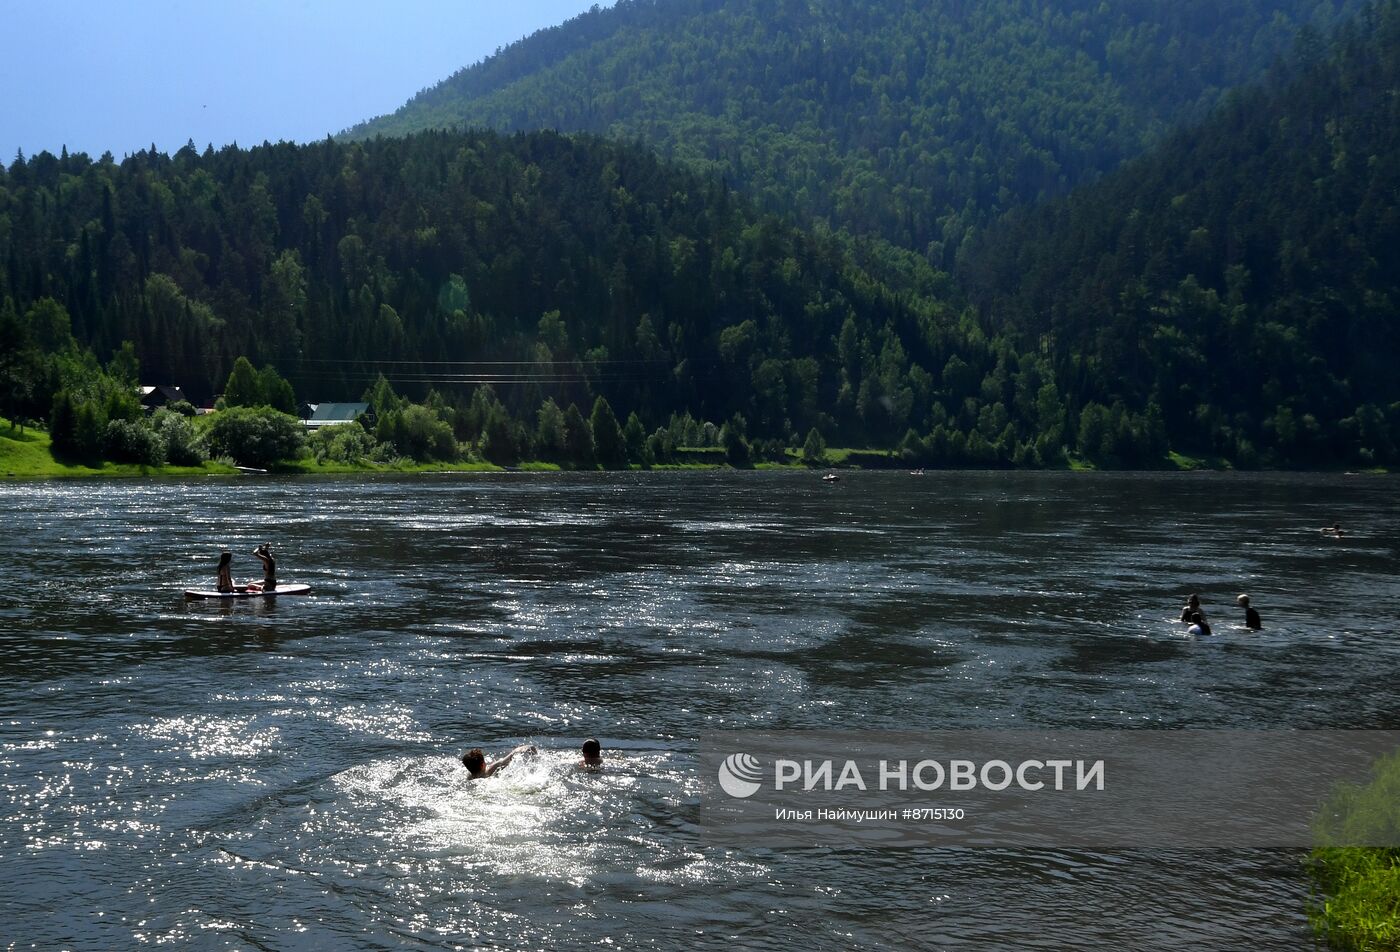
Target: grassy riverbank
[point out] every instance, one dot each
(1360, 904)
(28, 454)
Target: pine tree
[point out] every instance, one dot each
(608, 443)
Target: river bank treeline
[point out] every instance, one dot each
(500, 278)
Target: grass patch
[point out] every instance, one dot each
(1361, 912)
(27, 454)
(310, 467)
(1360, 885)
(30, 456)
(712, 455)
(1189, 464)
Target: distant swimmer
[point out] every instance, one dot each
(1251, 617)
(1333, 531)
(1198, 625)
(475, 761)
(1192, 607)
(592, 755)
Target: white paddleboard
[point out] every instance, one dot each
(279, 590)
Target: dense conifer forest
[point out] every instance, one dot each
(1244, 277)
(1229, 294)
(914, 121)
(551, 268)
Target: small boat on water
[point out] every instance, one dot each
(831, 478)
(242, 592)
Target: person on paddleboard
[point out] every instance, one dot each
(225, 583)
(269, 582)
(475, 761)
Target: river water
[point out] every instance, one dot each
(281, 775)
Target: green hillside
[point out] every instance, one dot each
(1244, 278)
(550, 267)
(1229, 296)
(909, 120)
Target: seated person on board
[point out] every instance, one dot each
(269, 582)
(225, 583)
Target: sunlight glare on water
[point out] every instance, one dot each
(284, 773)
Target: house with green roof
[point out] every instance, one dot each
(317, 415)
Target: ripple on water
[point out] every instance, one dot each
(282, 774)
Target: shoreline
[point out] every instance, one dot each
(27, 457)
(302, 469)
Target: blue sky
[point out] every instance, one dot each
(98, 76)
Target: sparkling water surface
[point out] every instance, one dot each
(282, 774)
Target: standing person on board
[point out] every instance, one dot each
(1251, 617)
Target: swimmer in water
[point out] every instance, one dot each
(592, 755)
(1198, 625)
(1333, 531)
(475, 761)
(1192, 607)
(1251, 617)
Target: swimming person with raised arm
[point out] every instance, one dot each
(475, 761)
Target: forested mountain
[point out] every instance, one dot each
(915, 121)
(1231, 293)
(557, 266)
(1245, 277)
